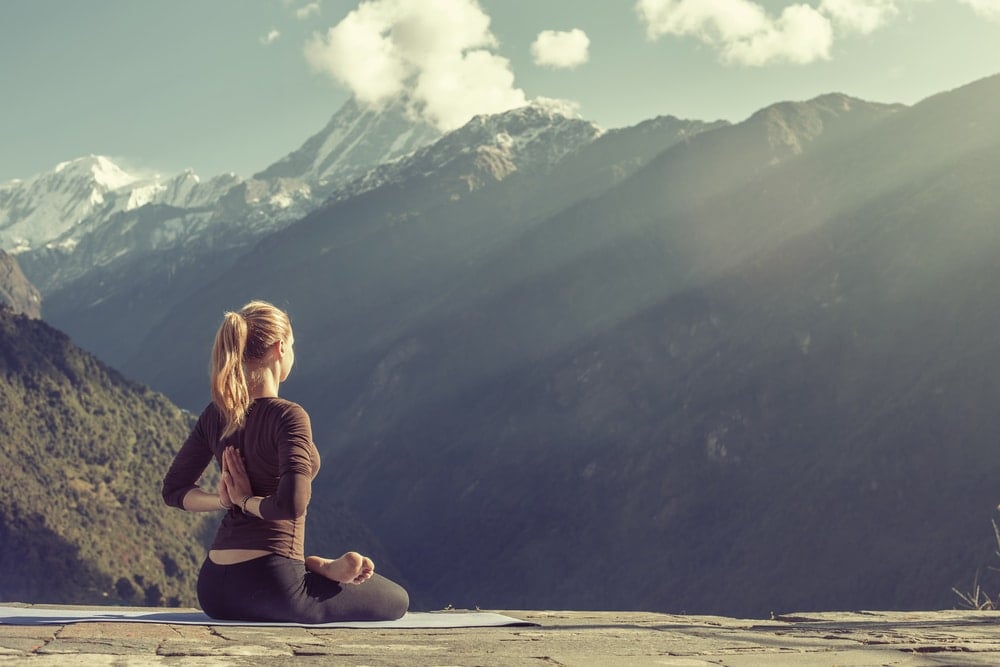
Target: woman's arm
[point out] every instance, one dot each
(180, 484)
(197, 500)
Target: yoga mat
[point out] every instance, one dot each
(412, 620)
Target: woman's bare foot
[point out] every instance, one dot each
(351, 568)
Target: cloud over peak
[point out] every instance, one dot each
(436, 52)
(561, 49)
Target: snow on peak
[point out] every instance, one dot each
(557, 107)
(356, 139)
(100, 170)
(529, 139)
(78, 194)
(110, 175)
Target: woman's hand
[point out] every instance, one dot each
(225, 500)
(234, 475)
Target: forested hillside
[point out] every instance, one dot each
(83, 455)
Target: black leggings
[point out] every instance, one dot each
(275, 588)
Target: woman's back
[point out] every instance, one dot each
(281, 461)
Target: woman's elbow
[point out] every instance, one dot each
(287, 511)
(170, 493)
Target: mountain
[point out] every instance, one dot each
(16, 293)
(61, 208)
(146, 243)
(226, 207)
(754, 372)
(767, 389)
(45, 206)
(83, 457)
(60, 212)
(399, 250)
(356, 139)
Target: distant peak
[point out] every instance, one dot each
(101, 169)
(829, 102)
(556, 107)
(401, 105)
(540, 112)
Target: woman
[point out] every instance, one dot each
(256, 570)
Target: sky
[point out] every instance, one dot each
(234, 85)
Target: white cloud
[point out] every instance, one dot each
(988, 9)
(270, 38)
(561, 49)
(741, 30)
(800, 35)
(437, 52)
(711, 20)
(744, 33)
(861, 16)
(306, 11)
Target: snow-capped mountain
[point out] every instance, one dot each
(60, 207)
(356, 139)
(86, 212)
(135, 265)
(41, 208)
(91, 213)
(530, 139)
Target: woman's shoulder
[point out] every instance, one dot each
(284, 417)
(280, 407)
(210, 413)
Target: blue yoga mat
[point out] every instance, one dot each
(415, 619)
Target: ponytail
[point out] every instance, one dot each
(229, 381)
(242, 339)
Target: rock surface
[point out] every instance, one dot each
(16, 293)
(577, 638)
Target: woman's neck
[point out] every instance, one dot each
(267, 388)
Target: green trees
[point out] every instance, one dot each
(83, 452)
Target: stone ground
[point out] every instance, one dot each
(572, 638)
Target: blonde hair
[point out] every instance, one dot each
(241, 343)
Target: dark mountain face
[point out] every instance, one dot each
(16, 293)
(814, 430)
(83, 456)
(796, 413)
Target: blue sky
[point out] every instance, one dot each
(233, 85)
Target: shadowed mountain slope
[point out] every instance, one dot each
(83, 457)
(802, 417)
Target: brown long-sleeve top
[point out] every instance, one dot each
(281, 461)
